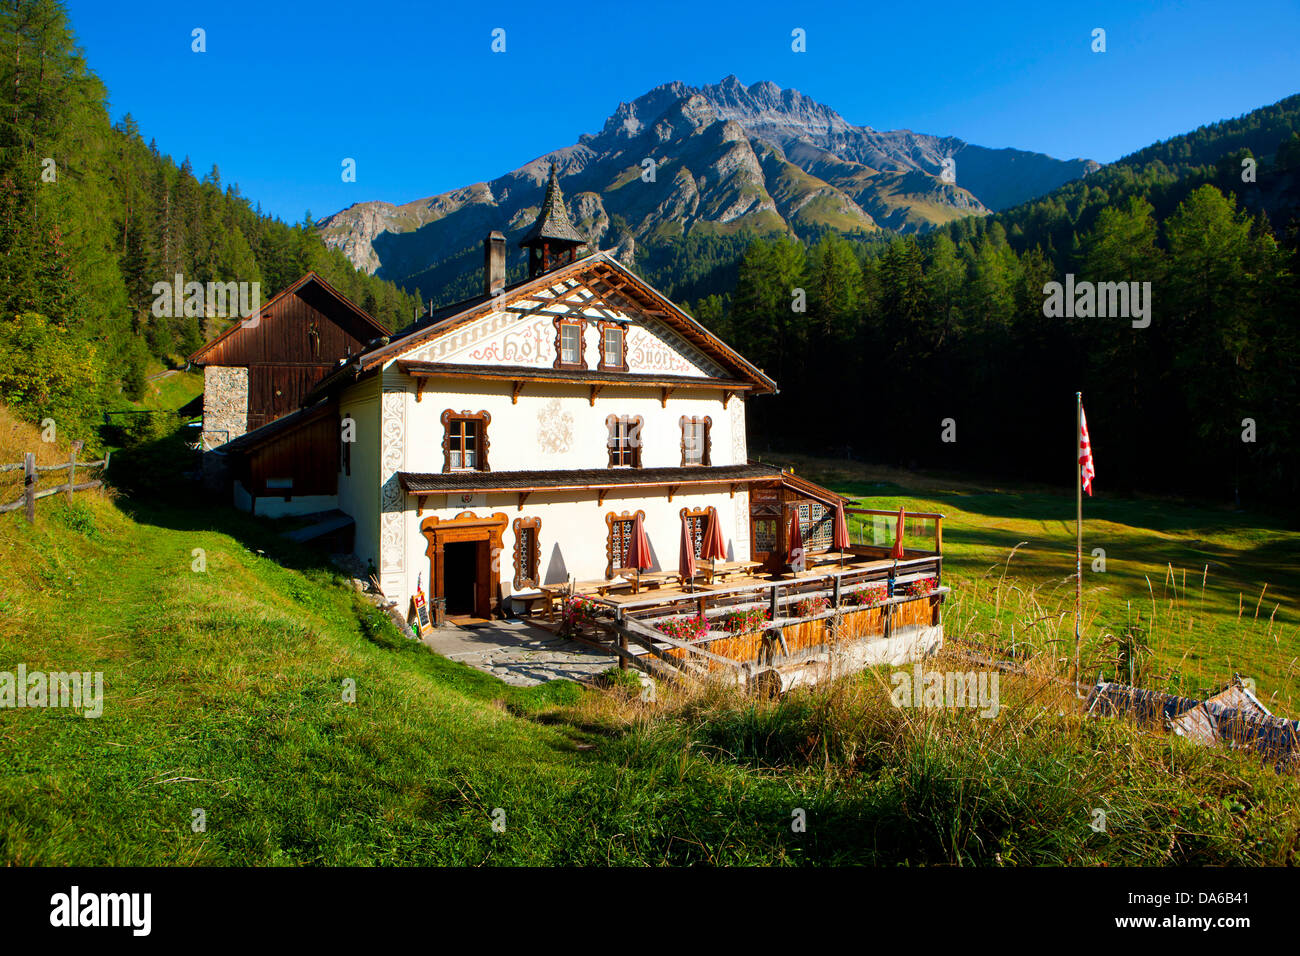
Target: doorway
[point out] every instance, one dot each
(461, 569)
(459, 573)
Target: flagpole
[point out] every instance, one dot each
(1078, 525)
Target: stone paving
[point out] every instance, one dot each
(518, 653)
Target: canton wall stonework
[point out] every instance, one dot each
(225, 405)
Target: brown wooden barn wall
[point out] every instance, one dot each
(283, 360)
(308, 454)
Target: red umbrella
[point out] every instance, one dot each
(897, 553)
(795, 542)
(712, 546)
(638, 548)
(686, 559)
(841, 541)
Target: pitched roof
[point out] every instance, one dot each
(365, 317)
(553, 218)
(273, 429)
(603, 268)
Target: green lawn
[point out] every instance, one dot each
(226, 692)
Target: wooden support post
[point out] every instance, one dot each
(29, 486)
(938, 535)
(72, 469)
(772, 603)
(837, 592)
(622, 658)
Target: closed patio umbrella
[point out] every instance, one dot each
(638, 549)
(795, 540)
(897, 553)
(841, 541)
(712, 546)
(686, 558)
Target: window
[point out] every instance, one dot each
(613, 347)
(695, 440)
(624, 441)
(696, 521)
(817, 525)
(620, 536)
(528, 552)
(465, 441)
(568, 344)
(765, 532)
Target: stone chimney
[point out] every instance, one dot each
(494, 263)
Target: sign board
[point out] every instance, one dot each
(422, 622)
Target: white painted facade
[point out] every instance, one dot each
(548, 426)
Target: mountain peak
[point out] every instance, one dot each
(774, 113)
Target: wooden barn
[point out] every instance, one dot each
(261, 368)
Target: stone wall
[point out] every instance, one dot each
(225, 405)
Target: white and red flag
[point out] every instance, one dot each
(1086, 470)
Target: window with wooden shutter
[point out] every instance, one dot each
(620, 536)
(465, 441)
(569, 344)
(695, 440)
(624, 440)
(528, 552)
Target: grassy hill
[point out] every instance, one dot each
(225, 692)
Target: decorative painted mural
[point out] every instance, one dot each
(504, 338)
(392, 500)
(739, 442)
(554, 428)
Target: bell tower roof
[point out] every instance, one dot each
(553, 225)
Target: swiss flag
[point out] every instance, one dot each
(1087, 471)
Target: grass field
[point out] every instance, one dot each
(1217, 592)
(261, 691)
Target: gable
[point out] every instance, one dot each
(517, 329)
(310, 322)
(522, 333)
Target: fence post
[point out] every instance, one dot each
(72, 468)
(772, 606)
(29, 485)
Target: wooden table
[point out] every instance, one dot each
(552, 594)
(602, 587)
(729, 569)
(830, 557)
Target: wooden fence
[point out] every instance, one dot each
(31, 475)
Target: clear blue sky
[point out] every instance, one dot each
(413, 93)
